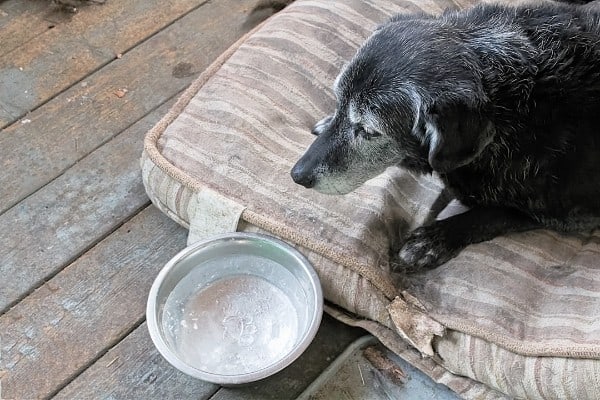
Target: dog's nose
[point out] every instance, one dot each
(302, 177)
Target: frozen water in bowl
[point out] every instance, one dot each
(234, 309)
(238, 323)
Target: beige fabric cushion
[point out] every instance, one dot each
(518, 313)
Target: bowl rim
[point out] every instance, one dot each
(308, 336)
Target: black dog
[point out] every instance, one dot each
(502, 102)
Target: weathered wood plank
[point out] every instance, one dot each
(331, 340)
(47, 230)
(22, 21)
(37, 149)
(51, 59)
(134, 369)
(62, 327)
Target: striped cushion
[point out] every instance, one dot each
(519, 313)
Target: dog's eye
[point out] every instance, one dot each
(365, 133)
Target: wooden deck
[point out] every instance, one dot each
(80, 243)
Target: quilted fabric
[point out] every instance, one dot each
(519, 313)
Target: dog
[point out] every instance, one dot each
(502, 102)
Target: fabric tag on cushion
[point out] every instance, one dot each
(211, 214)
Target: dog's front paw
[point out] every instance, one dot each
(427, 247)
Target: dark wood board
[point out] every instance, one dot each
(59, 222)
(134, 369)
(66, 324)
(22, 21)
(332, 339)
(60, 47)
(40, 147)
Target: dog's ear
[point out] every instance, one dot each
(457, 134)
(322, 125)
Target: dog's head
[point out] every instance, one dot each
(412, 96)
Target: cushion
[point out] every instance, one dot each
(516, 316)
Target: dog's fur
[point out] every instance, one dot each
(503, 103)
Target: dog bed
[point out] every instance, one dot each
(517, 316)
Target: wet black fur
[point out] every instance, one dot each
(509, 116)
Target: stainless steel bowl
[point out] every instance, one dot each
(234, 309)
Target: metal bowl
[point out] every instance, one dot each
(234, 309)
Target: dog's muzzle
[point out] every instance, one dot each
(309, 169)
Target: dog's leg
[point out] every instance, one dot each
(434, 244)
(442, 201)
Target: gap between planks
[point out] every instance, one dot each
(73, 48)
(53, 334)
(133, 369)
(20, 273)
(106, 181)
(25, 350)
(42, 148)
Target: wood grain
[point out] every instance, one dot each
(332, 339)
(39, 148)
(134, 369)
(22, 21)
(60, 48)
(56, 224)
(61, 328)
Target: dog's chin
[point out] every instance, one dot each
(333, 187)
